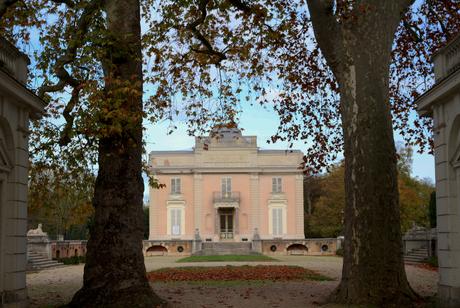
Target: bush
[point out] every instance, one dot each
(433, 261)
(73, 260)
(339, 252)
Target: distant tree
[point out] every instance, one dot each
(414, 193)
(414, 197)
(432, 210)
(326, 218)
(59, 199)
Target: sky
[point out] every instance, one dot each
(262, 123)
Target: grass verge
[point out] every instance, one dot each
(228, 258)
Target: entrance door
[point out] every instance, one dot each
(226, 224)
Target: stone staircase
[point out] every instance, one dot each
(416, 256)
(37, 261)
(225, 248)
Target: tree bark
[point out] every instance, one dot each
(115, 274)
(359, 53)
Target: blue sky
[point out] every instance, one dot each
(261, 122)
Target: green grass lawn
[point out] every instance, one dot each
(228, 258)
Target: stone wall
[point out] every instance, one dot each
(167, 248)
(442, 102)
(310, 247)
(67, 249)
(17, 105)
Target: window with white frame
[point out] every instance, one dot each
(226, 186)
(175, 186)
(277, 221)
(277, 185)
(176, 221)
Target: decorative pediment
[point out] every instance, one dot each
(5, 161)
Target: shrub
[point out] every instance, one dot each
(339, 252)
(73, 260)
(433, 261)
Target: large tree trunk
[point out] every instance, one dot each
(373, 268)
(115, 273)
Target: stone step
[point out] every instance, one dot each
(44, 261)
(49, 264)
(226, 248)
(414, 260)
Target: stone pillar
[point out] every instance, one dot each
(217, 223)
(299, 211)
(256, 242)
(196, 244)
(447, 210)
(197, 199)
(254, 212)
(153, 214)
(236, 230)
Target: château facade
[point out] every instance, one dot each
(226, 189)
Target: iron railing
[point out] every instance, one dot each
(223, 196)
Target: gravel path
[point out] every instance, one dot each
(56, 286)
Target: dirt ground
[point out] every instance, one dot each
(56, 286)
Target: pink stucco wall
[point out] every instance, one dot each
(265, 189)
(160, 198)
(212, 183)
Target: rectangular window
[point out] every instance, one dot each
(176, 218)
(175, 186)
(277, 216)
(276, 185)
(226, 187)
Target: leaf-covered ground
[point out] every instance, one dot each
(231, 273)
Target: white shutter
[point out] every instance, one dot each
(277, 221)
(176, 221)
(175, 186)
(226, 186)
(276, 185)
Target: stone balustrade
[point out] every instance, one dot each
(13, 62)
(447, 60)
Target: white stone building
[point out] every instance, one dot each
(17, 105)
(442, 102)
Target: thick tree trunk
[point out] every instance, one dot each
(115, 274)
(373, 268)
(358, 50)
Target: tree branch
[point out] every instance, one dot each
(441, 24)
(414, 34)
(199, 36)
(4, 5)
(69, 3)
(327, 31)
(65, 79)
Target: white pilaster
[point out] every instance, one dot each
(299, 211)
(254, 212)
(197, 199)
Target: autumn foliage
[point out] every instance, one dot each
(229, 273)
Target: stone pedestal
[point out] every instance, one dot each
(40, 244)
(256, 242)
(196, 244)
